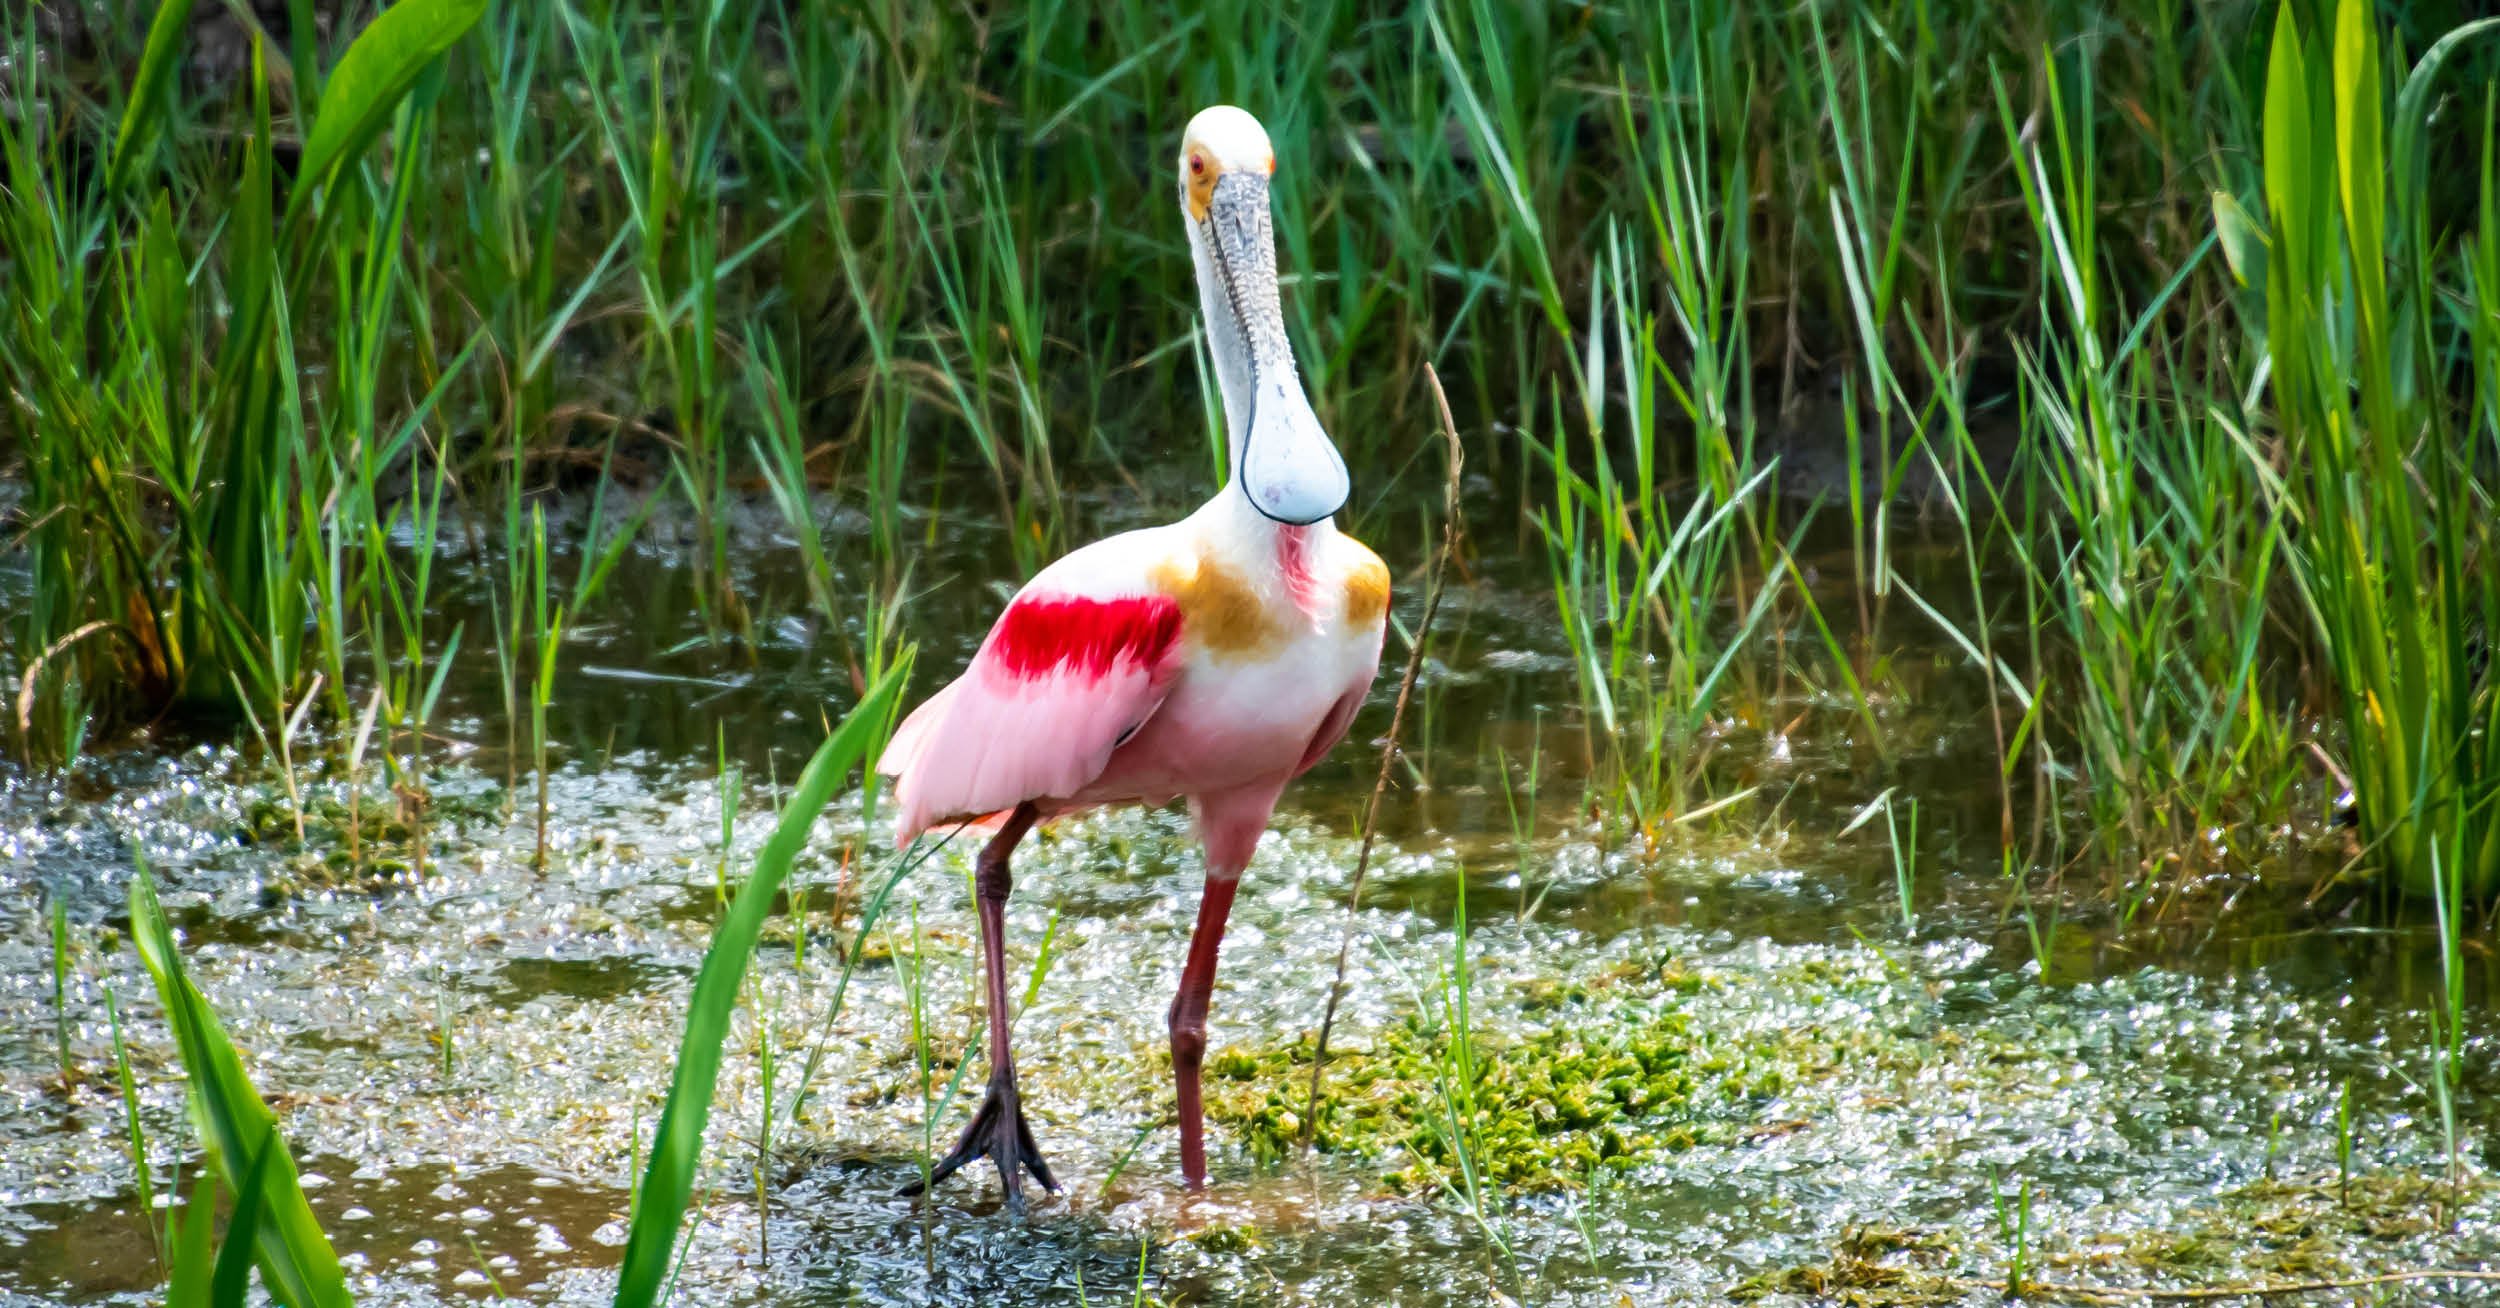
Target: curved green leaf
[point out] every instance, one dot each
(677, 1146)
(2244, 241)
(192, 1235)
(2412, 154)
(230, 1284)
(156, 62)
(297, 1263)
(378, 68)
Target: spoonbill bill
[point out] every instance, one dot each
(1214, 659)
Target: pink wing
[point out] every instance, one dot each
(1061, 681)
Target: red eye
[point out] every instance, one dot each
(1197, 165)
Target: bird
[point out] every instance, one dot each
(1211, 660)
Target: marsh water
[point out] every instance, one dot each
(465, 1055)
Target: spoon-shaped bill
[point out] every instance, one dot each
(1289, 468)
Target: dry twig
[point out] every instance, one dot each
(1389, 750)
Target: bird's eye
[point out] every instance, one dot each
(1197, 164)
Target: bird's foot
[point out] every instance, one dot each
(1000, 1133)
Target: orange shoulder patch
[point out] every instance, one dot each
(1220, 612)
(1366, 588)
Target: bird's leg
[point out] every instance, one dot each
(1189, 1020)
(1229, 824)
(998, 1131)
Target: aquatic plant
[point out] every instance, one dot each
(274, 1228)
(296, 352)
(183, 477)
(2159, 345)
(1609, 1076)
(676, 1151)
(2383, 381)
(1532, 1116)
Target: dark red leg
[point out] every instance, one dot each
(1229, 824)
(998, 1131)
(1189, 1022)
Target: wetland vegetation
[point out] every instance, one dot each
(1957, 757)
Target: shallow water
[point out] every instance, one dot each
(2167, 1097)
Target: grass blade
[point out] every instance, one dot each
(230, 1282)
(677, 1147)
(363, 90)
(296, 1260)
(156, 62)
(192, 1260)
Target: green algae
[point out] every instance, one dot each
(1794, 1088)
(323, 844)
(2298, 1229)
(2268, 1237)
(1226, 1239)
(1603, 1088)
(1873, 1265)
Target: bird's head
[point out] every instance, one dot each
(1224, 148)
(1282, 459)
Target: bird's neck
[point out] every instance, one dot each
(1282, 556)
(1245, 332)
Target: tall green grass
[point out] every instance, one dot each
(2141, 537)
(267, 337)
(2381, 377)
(180, 468)
(2379, 331)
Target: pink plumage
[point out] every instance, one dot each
(1214, 659)
(1058, 684)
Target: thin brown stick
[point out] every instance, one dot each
(2102, 1293)
(1389, 750)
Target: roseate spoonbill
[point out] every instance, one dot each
(1214, 659)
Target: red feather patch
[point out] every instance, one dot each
(1036, 637)
(1293, 562)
